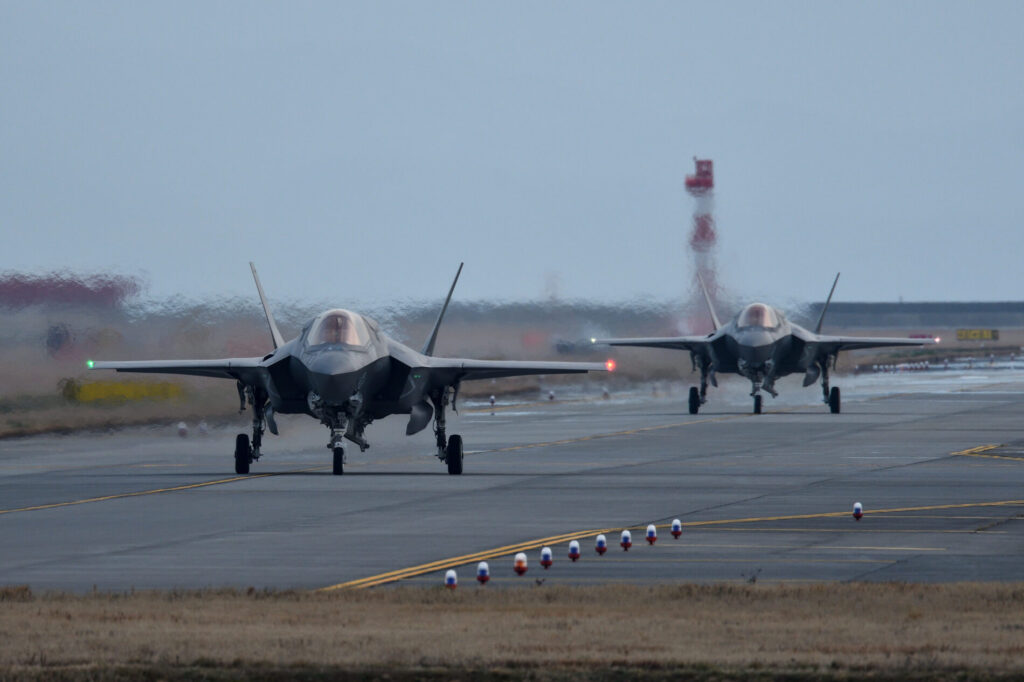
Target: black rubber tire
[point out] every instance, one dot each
(243, 455)
(453, 455)
(835, 403)
(339, 461)
(694, 400)
(757, 404)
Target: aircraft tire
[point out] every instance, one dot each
(694, 400)
(338, 462)
(242, 454)
(834, 400)
(757, 404)
(453, 455)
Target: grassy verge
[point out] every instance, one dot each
(856, 631)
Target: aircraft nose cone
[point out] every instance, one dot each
(755, 346)
(333, 377)
(334, 389)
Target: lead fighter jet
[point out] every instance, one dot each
(762, 345)
(345, 372)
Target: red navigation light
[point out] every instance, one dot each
(610, 364)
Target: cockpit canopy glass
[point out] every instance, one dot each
(339, 326)
(758, 315)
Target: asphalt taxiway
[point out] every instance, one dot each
(938, 463)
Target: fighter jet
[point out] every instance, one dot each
(344, 371)
(762, 345)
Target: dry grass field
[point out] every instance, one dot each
(834, 631)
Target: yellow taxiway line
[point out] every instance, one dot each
(982, 449)
(444, 564)
(234, 479)
(155, 491)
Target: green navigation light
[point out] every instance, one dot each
(89, 363)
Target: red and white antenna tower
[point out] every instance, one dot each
(701, 186)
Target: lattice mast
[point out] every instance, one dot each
(701, 186)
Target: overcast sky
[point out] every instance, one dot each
(358, 151)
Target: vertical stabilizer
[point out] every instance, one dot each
(707, 299)
(428, 347)
(821, 320)
(275, 333)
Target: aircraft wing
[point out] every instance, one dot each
(690, 343)
(244, 369)
(834, 344)
(451, 370)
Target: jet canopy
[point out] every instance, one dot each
(758, 315)
(338, 326)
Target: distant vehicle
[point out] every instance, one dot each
(762, 345)
(345, 372)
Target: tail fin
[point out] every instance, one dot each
(821, 320)
(707, 299)
(428, 347)
(275, 333)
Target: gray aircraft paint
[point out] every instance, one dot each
(763, 353)
(348, 385)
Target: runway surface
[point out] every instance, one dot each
(764, 497)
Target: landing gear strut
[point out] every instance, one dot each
(700, 396)
(832, 397)
(757, 404)
(449, 448)
(248, 451)
(338, 423)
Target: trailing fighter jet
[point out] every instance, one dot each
(762, 345)
(343, 370)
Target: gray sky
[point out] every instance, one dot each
(358, 151)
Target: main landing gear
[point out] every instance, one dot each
(694, 400)
(248, 451)
(700, 396)
(449, 448)
(831, 396)
(834, 401)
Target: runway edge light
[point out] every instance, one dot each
(519, 564)
(626, 541)
(652, 534)
(601, 544)
(677, 528)
(858, 510)
(546, 558)
(574, 550)
(483, 572)
(451, 579)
